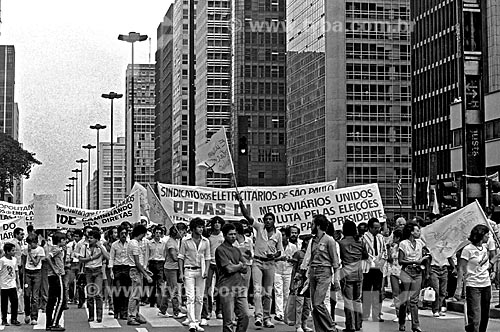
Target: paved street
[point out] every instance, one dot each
(76, 320)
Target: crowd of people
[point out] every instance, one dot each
(225, 269)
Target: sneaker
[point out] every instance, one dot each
(307, 329)
(436, 314)
(27, 320)
(34, 322)
(444, 309)
(395, 320)
(111, 312)
(179, 315)
(268, 324)
(4, 323)
(278, 318)
(299, 329)
(141, 321)
(408, 318)
(133, 322)
(199, 328)
(203, 322)
(164, 315)
(258, 322)
(15, 323)
(186, 322)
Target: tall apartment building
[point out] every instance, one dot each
(258, 91)
(141, 124)
(213, 79)
(348, 84)
(104, 176)
(455, 49)
(163, 95)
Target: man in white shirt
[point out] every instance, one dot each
(120, 273)
(156, 248)
(283, 274)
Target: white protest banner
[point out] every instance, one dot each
(44, 211)
(10, 210)
(448, 234)
(157, 213)
(126, 210)
(292, 205)
(215, 154)
(143, 198)
(8, 226)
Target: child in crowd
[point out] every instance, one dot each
(300, 288)
(56, 298)
(9, 283)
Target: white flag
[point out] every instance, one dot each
(215, 154)
(435, 204)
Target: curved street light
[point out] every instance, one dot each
(81, 162)
(66, 191)
(98, 127)
(88, 147)
(73, 191)
(76, 171)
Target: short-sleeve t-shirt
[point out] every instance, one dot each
(8, 269)
(215, 242)
(34, 253)
(264, 244)
(56, 253)
(135, 248)
(478, 262)
(170, 263)
(226, 255)
(412, 253)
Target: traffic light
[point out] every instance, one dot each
(449, 195)
(495, 193)
(243, 146)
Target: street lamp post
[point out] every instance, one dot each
(73, 189)
(81, 162)
(70, 193)
(98, 127)
(88, 147)
(66, 191)
(112, 96)
(76, 171)
(132, 38)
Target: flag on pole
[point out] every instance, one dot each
(435, 203)
(493, 177)
(429, 192)
(399, 194)
(157, 213)
(215, 154)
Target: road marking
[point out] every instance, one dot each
(151, 315)
(42, 321)
(141, 329)
(108, 321)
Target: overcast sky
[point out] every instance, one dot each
(67, 55)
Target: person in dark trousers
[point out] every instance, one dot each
(323, 263)
(120, 270)
(352, 254)
(300, 289)
(231, 285)
(32, 279)
(55, 302)
(9, 283)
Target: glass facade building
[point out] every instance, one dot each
(349, 106)
(142, 154)
(7, 82)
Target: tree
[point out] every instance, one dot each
(15, 163)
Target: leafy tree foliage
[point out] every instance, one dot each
(15, 163)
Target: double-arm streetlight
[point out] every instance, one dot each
(76, 171)
(72, 186)
(81, 162)
(97, 127)
(66, 191)
(112, 96)
(88, 147)
(132, 38)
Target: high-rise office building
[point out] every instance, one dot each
(454, 62)
(163, 95)
(7, 81)
(140, 123)
(348, 84)
(104, 178)
(258, 91)
(213, 80)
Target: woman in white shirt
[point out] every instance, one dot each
(475, 262)
(411, 257)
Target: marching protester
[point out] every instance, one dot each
(394, 269)
(194, 259)
(352, 254)
(300, 288)
(231, 285)
(120, 273)
(32, 279)
(137, 259)
(92, 257)
(475, 262)
(156, 248)
(373, 278)
(268, 247)
(245, 244)
(411, 257)
(173, 290)
(322, 266)
(283, 274)
(215, 238)
(9, 284)
(55, 261)
(110, 237)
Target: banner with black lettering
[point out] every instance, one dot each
(292, 205)
(10, 211)
(127, 210)
(7, 228)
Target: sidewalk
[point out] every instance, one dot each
(458, 306)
